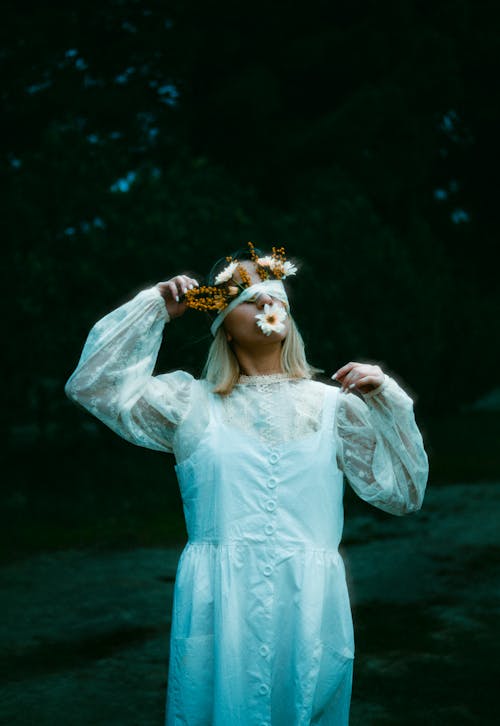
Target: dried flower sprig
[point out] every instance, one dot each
(225, 287)
(207, 297)
(252, 251)
(244, 276)
(261, 268)
(275, 264)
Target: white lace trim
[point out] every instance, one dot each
(260, 379)
(274, 413)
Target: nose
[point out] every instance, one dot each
(263, 299)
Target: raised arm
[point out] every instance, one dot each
(380, 448)
(113, 379)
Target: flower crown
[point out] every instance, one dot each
(225, 288)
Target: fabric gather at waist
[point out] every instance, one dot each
(287, 544)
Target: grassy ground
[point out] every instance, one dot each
(91, 537)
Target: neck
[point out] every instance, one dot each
(260, 361)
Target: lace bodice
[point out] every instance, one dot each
(274, 408)
(379, 446)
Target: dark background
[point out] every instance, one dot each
(146, 139)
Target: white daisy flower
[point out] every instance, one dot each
(266, 261)
(226, 273)
(289, 269)
(271, 320)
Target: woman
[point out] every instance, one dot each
(262, 630)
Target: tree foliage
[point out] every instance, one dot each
(143, 140)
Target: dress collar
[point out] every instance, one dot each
(265, 378)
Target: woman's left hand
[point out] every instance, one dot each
(361, 376)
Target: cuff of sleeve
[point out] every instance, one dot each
(378, 389)
(156, 293)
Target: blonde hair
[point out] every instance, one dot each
(223, 369)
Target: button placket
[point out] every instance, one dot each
(271, 505)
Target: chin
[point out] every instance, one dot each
(272, 337)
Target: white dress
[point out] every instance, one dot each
(261, 627)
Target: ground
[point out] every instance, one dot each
(85, 631)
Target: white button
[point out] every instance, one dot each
(270, 505)
(271, 482)
(274, 457)
(267, 570)
(269, 528)
(263, 689)
(264, 650)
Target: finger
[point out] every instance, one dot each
(350, 379)
(372, 380)
(363, 372)
(344, 369)
(173, 290)
(189, 282)
(347, 367)
(180, 285)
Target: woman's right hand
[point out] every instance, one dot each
(173, 291)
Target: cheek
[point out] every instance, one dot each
(240, 318)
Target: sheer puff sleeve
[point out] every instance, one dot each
(113, 379)
(380, 448)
